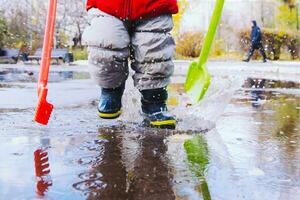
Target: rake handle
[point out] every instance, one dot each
(47, 45)
(210, 35)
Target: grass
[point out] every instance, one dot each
(236, 56)
(223, 56)
(80, 54)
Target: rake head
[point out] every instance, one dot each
(41, 162)
(44, 109)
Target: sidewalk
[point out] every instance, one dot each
(279, 70)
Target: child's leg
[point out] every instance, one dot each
(153, 49)
(108, 40)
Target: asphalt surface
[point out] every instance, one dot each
(250, 120)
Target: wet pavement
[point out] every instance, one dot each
(242, 142)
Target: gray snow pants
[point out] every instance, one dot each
(146, 44)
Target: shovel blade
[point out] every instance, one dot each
(44, 109)
(197, 82)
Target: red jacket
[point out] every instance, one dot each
(134, 9)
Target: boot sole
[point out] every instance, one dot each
(167, 124)
(163, 123)
(109, 115)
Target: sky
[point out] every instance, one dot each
(237, 13)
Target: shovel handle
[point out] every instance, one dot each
(47, 45)
(210, 35)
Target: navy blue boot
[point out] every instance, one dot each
(110, 103)
(155, 109)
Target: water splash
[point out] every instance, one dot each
(204, 115)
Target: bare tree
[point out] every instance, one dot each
(26, 19)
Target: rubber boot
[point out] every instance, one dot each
(155, 109)
(110, 103)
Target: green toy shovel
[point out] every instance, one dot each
(198, 79)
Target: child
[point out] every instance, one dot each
(138, 30)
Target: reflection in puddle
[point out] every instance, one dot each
(17, 75)
(133, 165)
(42, 169)
(197, 155)
(267, 83)
(4, 85)
(265, 125)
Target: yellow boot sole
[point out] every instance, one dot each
(109, 115)
(167, 124)
(163, 123)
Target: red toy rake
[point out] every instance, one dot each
(44, 108)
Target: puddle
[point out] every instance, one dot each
(4, 85)
(251, 152)
(18, 75)
(262, 132)
(267, 84)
